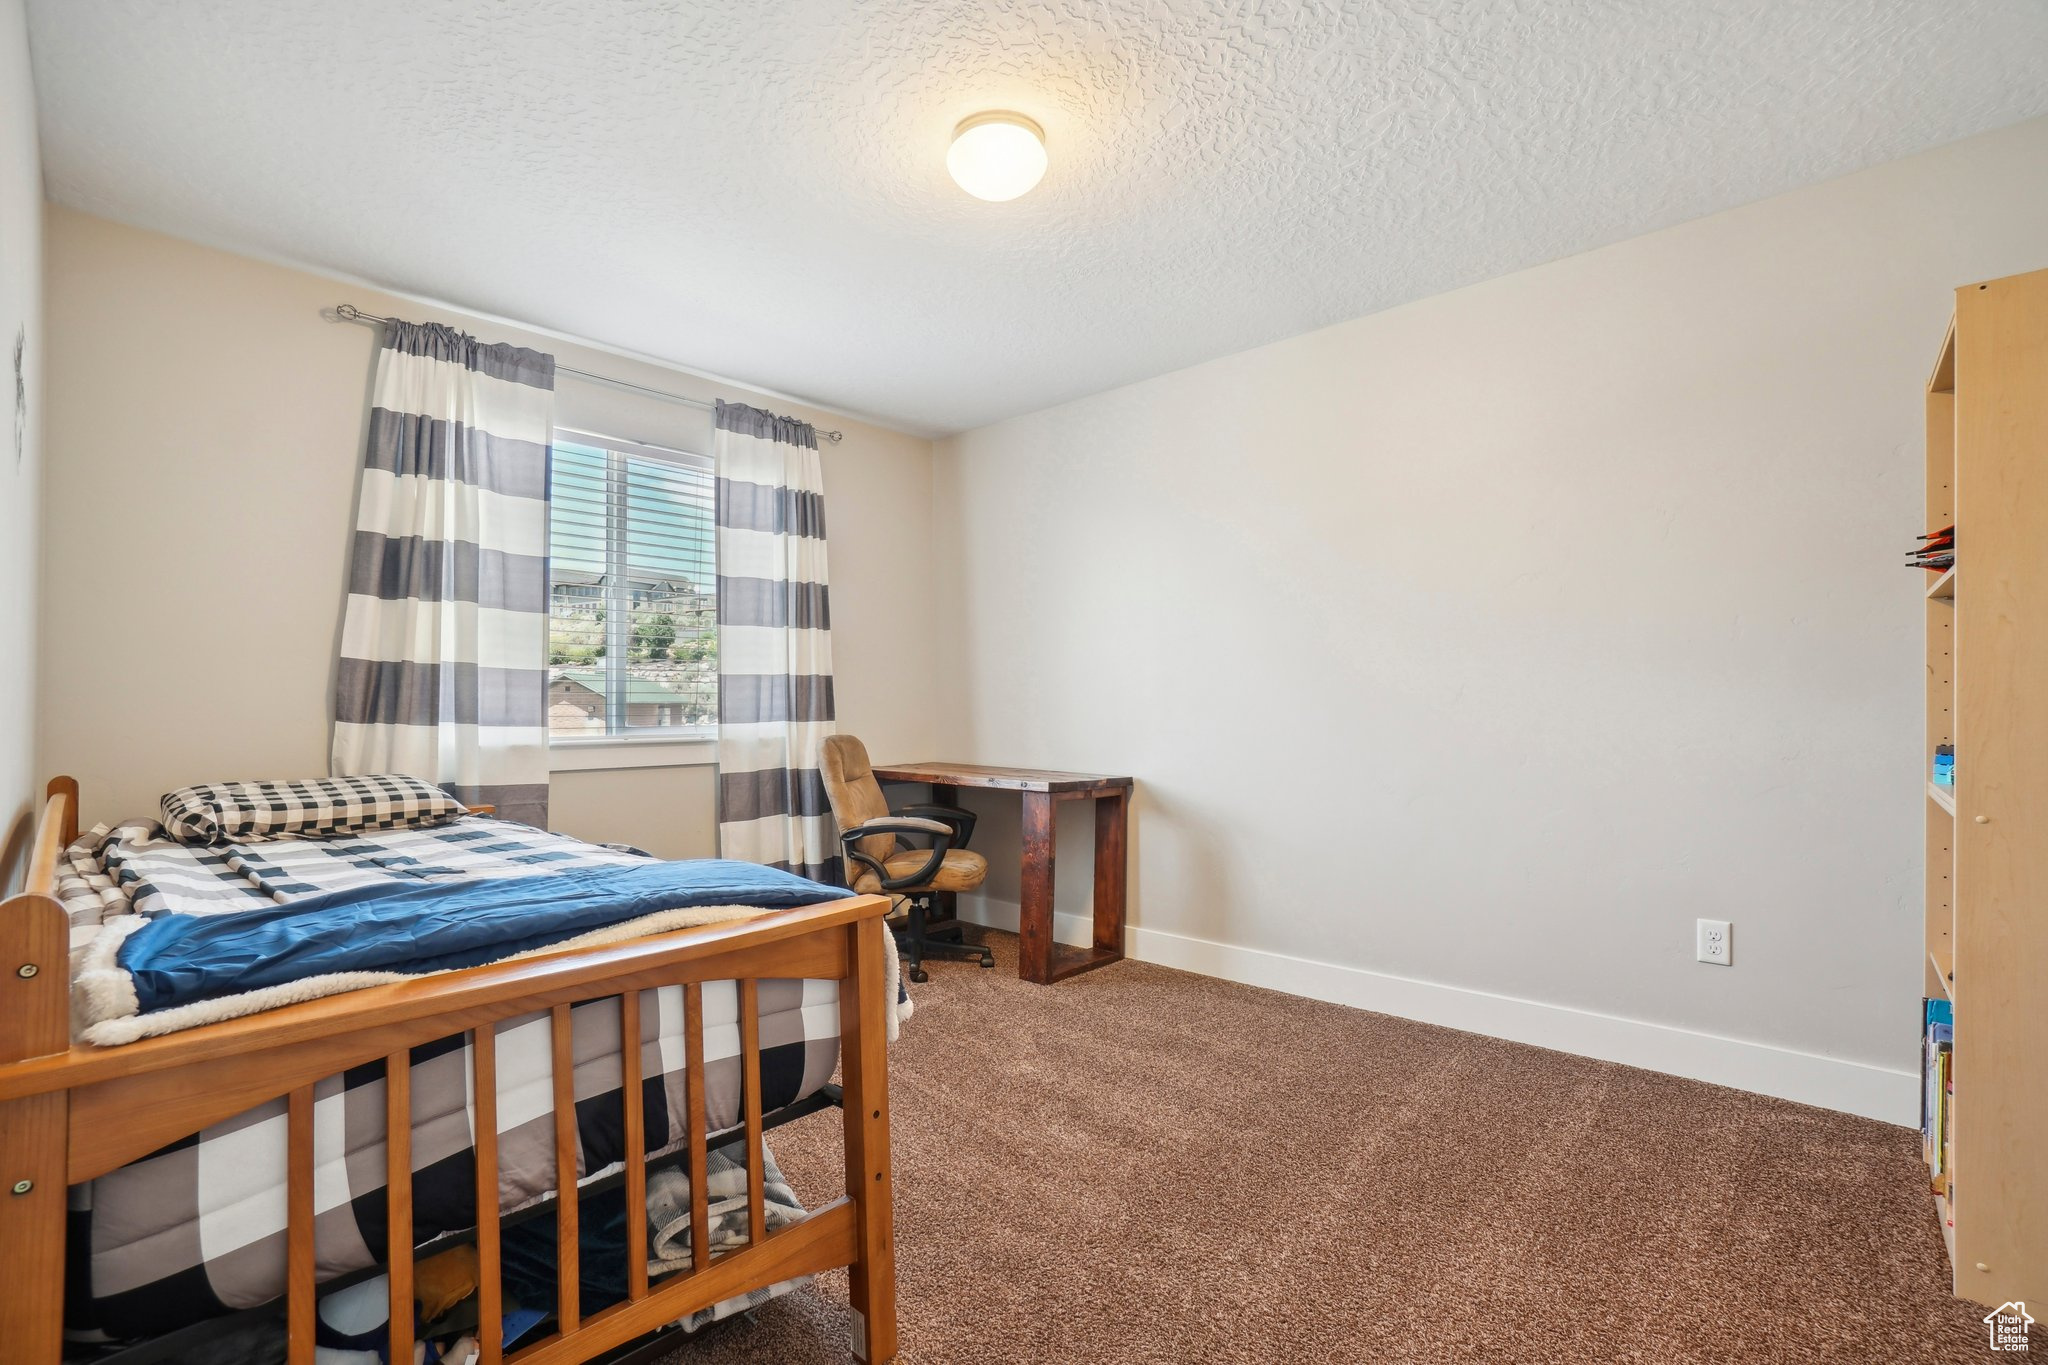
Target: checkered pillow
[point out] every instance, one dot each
(250, 812)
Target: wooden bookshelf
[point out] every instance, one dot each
(1987, 837)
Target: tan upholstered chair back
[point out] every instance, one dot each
(855, 795)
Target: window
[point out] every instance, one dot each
(632, 597)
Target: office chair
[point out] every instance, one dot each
(875, 864)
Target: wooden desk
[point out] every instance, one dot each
(1039, 957)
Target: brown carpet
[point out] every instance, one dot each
(1141, 1165)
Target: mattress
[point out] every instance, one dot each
(198, 1228)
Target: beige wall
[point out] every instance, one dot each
(205, 429)
(1487, 642)
(21, 231)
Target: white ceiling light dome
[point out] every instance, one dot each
(997, 156)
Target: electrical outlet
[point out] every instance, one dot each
(1716, 944)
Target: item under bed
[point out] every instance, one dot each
(198, 1228)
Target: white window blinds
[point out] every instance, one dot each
(633, 620)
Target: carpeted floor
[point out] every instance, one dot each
(1141, 1165)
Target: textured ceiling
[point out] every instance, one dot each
(759, 190)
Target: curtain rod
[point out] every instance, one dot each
(348, 312)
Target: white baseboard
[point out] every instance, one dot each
(1806, 1077)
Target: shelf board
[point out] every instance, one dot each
(1945, 797)
(1941, 975)
(1943, 589)
(1948, 1232)
(1943, 380)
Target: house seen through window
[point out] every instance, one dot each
(633, 618)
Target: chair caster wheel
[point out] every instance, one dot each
(988, 960)
(920, 975)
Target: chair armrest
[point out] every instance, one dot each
(962, 821)
(900, 824)
(942, 839)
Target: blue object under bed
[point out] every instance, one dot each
(408, 927)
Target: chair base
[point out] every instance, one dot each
(924, 936)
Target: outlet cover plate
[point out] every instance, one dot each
(1716, 943)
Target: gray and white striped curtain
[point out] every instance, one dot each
(444, 638)
(774, 645)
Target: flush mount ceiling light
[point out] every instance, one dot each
(997, 156)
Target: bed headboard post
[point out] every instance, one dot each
(35, 940)
(35, 1020)
(67, 787)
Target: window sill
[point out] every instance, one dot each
(598, 755)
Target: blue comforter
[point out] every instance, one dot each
(407, 927)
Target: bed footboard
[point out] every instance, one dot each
(68, 1114)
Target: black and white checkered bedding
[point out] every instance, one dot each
(212, 812)
(138, 868)
(198, 1228)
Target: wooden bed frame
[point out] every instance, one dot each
(70, 1113)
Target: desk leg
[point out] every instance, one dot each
(948, 902)
(1112, 859)
(1034, 909)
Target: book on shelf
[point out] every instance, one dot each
(1937, 1099)
(1936, 551)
